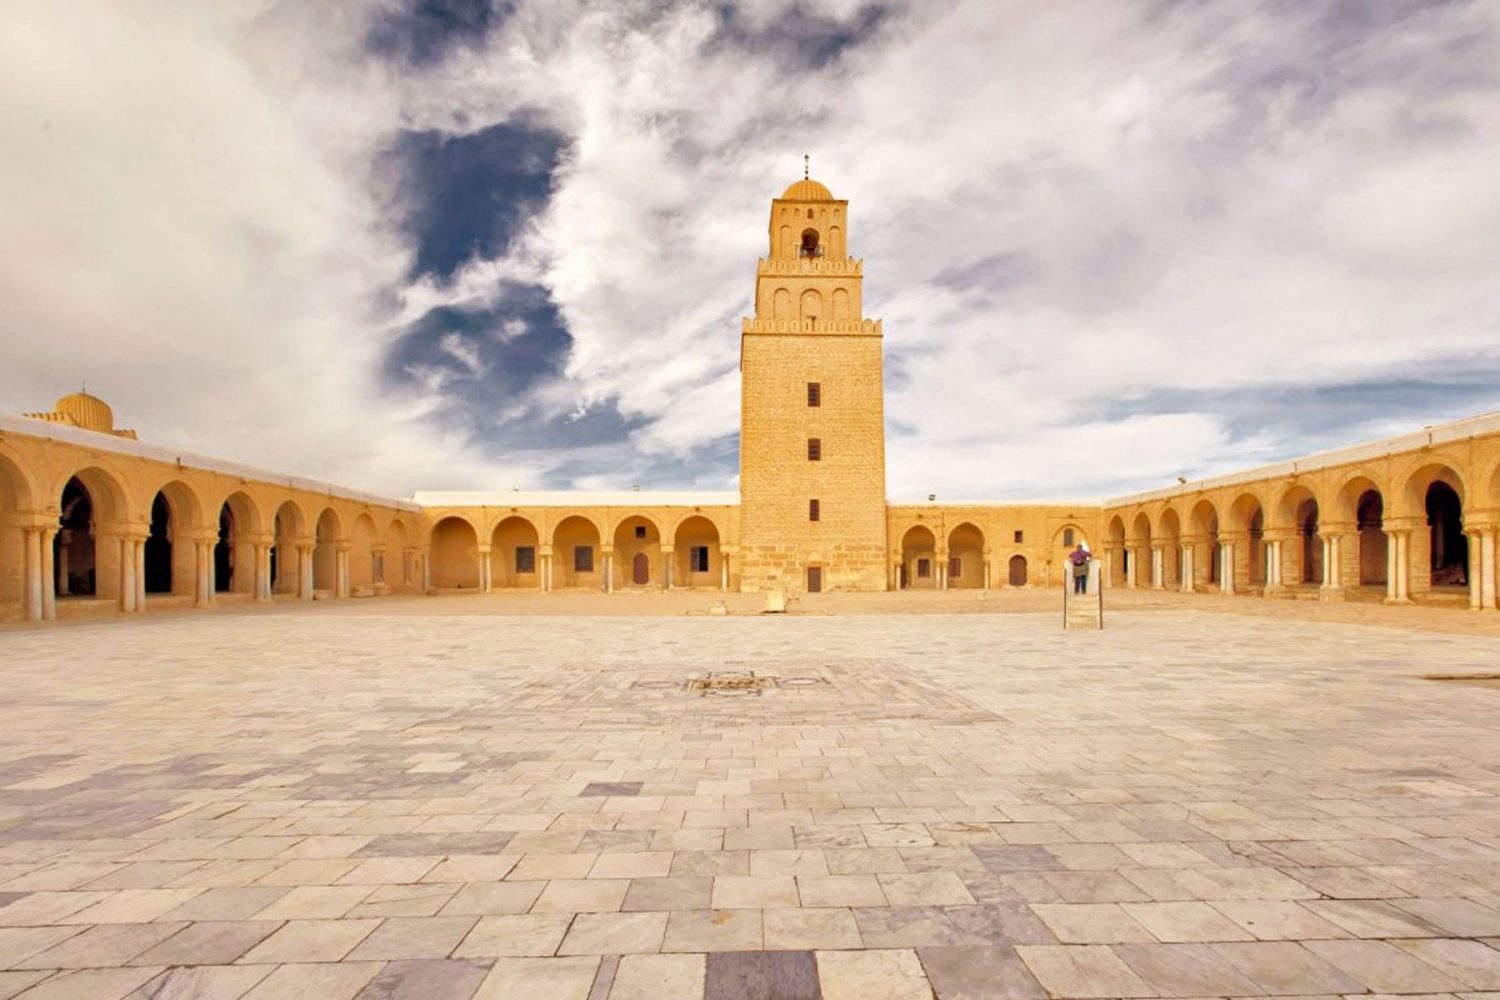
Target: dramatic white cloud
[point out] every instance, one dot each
(1111, 243)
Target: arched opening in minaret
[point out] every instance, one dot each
(810, 247)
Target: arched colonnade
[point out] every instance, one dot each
(84, 531)
(606, 549)
(1420, 526)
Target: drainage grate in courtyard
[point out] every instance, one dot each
(1478, 680)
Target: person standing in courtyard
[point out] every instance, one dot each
(1080, 558)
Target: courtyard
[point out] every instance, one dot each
(455, 797)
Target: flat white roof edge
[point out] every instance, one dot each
(1436, 434)
(45, 430)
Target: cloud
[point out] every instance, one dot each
(459, 244)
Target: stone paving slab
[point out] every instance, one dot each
(955, 806)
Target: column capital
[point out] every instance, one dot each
(667, 550)
(607, 549)
(484, 549)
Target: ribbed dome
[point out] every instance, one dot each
(89, 412)
(807, 190)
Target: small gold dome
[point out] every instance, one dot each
(89, 412)
(807, 190)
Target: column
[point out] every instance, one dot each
(1186, 584)
(1332, 550)
(426, 570)
(203, 556)
(607, 553)
(988, 578)
(485, 570)
(305, 570)
(49, 573)
(1392, 562)
(127, 574)
(1130, 561)
(1475, 568)
(1273, 566)
(941, 556)
(341, 570)
(1487, 570)
(1158, 564)
(666, 567)
(1403, 567)
(262, 571)
(31, 539)
(1226, 567)
(723, 571)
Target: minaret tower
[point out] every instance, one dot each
(812, 421)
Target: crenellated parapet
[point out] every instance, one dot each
(839, 266)
(847, 327)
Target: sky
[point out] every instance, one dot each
(476, 244)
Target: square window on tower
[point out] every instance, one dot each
(814, 513)
(814, 394)
(814, 449)
(1020, 537)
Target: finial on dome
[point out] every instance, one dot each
(805, 166)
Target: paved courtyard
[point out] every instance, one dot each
(322, 804)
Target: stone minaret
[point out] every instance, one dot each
(812, 423)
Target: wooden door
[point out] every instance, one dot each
(640, 570)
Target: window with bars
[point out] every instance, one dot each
(1020, 537)
(955, 567)
(924, 569)
(814, 394)
(525, 559)
(1067, 538)
(698, 559)
(814, 449)
(814, 511)
(583, 558)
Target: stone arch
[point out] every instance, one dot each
(695, 546)
(840, 303)
(1140, 548)
(1069, 535)
(328, 534)
(575, 552)
(514, 559)
(1168, 534)
(781, 304)
(1203, 535)
(787, 242)
(1361, 502)
(237, 525)
(1115, 536)
(836, 241)
(1016, 571)
(171, 557)
(15, 496)
(366, 565)
(398, 568)
(810, 306)
(288, 532)
(637, 554)
(918, 558)
(1247, 516)
(86, 551)
(455, 554)
(810, 243)
(1298, 509)
(966, 557)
